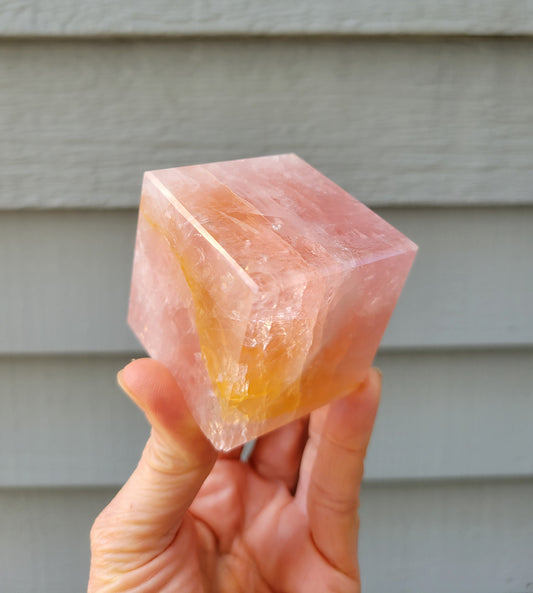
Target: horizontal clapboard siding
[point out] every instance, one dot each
(65, 422)
(44, 538)
(421, 108)
(433, 122)
(230, 17)
(445, 538)
(66, 280)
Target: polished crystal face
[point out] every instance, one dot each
(263, 286)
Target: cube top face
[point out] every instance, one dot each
(290, 208)
(263, 286)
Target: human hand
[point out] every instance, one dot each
(192, 520)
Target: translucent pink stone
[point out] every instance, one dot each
(263, 286)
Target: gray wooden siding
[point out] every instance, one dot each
(66, 423)
(461, 537)
(67, 280)
(243, 17)
(394, 122)
(423, 109)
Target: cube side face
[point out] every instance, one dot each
(331, 346)
(183, 312)
(353, 327)
(161, 307)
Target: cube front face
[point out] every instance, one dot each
(263, 287)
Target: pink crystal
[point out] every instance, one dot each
(263, 286)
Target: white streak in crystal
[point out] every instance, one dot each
(200, 229)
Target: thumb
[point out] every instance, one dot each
(148, 510)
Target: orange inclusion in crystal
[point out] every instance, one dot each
(263, 390)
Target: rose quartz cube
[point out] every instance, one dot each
(264, 287)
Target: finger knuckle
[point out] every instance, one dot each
(332, 501)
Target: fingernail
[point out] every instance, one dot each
(120, 380)
(378, 371)
(123, 386)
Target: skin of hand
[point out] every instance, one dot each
(193, 520)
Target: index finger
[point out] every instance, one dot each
(332, 470)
